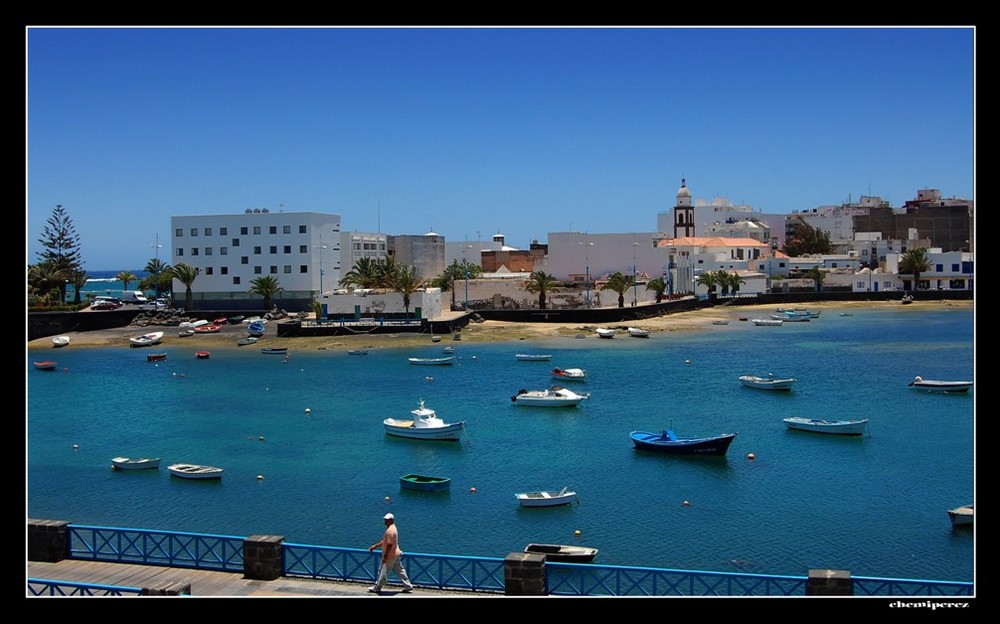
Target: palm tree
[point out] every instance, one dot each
(157, 269)
(659, 286)
(385, 271)
(403, 280)
(45, 280)
(729, 280)
(317, 309)
(915, 261)
(185, 274)
(364, 274)
(126, 278)
(267, 287)
(709, 280)
(620, 283)
(78, 278)
(816, 274)
(540, 282)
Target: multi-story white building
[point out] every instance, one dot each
(300, 249)
(357, 245)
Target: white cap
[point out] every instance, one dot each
(388, 516)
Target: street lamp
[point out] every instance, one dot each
(321, 247)
(586, 278)
(635, 284)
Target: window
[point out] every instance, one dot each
(286, 229)
(274, 269)
(274, 249)
(256, 250)
(208, 231)
(939, 268)
(179, 252)
(223, 231)
(954, 267)
(208, 270)
(303, 249)
(288, 249)
(194, 251)
(244, 260)
(224, 270)
(194, 231)
(208, 251)
(357, 246)
(303, 268)
(235, 242)
(257, 270)
(243, 231)
(272, 230)
(288, 268)
(236, 280)
(256, 229)
(302, 229)
(223, 251)
(179, 232)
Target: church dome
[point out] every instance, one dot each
(683, 191)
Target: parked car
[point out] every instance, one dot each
(102, 302)
(156, 305)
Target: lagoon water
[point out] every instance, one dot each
(306, 456)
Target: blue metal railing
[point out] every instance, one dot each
(451, 572)
(46, 587)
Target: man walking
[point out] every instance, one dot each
(390, 557)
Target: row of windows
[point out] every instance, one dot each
(273, 269)
(224, 231)
(257, 250)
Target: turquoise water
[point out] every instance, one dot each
(311, 428)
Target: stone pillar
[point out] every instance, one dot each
(524, 575)
(263, 557)
(829, 583)
(48, 540)
(170, 589)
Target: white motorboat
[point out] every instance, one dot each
(546, 498)
(533, 357)
(441, 361)
(60, 341)
(425, 425)
(146, 340)
(556, 396)
(938, 385)
(569, 374)
(961, 516)
(195, 471)
(638, 332)
(854, 427)
(135, 463)
(605, 333)
(768, 383)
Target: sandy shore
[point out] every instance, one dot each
(488, 331)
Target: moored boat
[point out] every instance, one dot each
(962, 516)
(256, 328)
(563, 553)
(202, 355)
(45, 365)
(938, 385)
(668, 442)
(424, 483)
(442, 361)
(533, 357)
(60, 341)
(638, 332)
(146, 340)
(768, 383)
(569, 374)
(249, 340)
(212, 328)
(195, 471)
(135, 463)
(425, 425)
(768, 322)
(274, 350)
(603, 332)
(546, 498)
(156, 357)
(556, 396)
(839, 427)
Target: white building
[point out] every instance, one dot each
(230, 251)
(357, 245)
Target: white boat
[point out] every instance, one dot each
(146, 340)
(566, 553)
(937, 385)
(556, 396)
(569, 374)
(442, 361)
(425, 425)
(546, 498)
(768, 322)
(605, 333)
(790, 318)
(638, 332)
(961, 516)
(184, 333)
(195, 471)
(448, 350)
(840, 427)
(135, 463)
(767, 383)
(533, 357)
(60, 341)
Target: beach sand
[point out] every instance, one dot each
(487, 331)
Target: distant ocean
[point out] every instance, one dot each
(302, 443)
(106, 283)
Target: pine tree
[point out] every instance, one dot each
(62, 247)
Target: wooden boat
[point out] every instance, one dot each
(202, 355)
(213, 328)
(156, 357)
(563, 553)
(838, 427)
(60, 341)
(570, 374)
(249, 340)
(605, 333)
(768, 322)
(533, 357)
(135, 463)
(638, 332)
(424, 483)
(195, 471)
(442, 361)
(668, 442)
(274, 350)
(46, 365)
(546, 498)
(768, 383)
(937, 385)
(961, 516)
(556, 396)
(425, 425)
(146, 340)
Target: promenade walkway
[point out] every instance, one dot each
(208, 583)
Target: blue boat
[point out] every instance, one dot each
(668, 442)
(256, 328)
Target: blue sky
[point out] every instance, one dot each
(472, 131)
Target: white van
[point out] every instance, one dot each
(133, 296)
